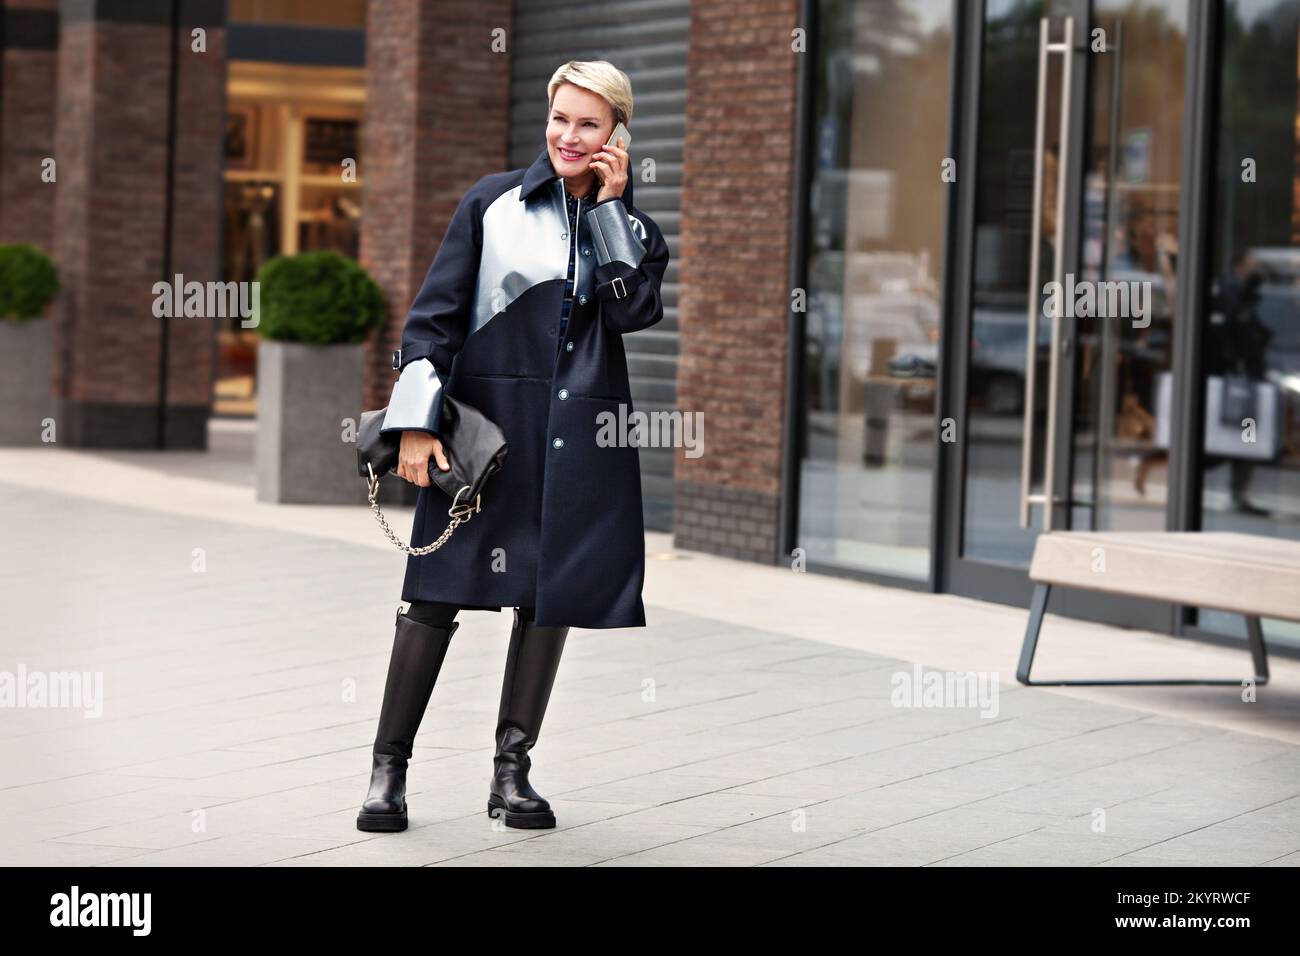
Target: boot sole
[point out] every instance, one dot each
(539, 820)
(381, 822)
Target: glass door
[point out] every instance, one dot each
(1065, 286)
(1129, 256)
(1250, 480)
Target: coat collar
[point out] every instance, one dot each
(541, 172)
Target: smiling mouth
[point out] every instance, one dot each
(569, 154)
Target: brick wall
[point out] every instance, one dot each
(111, 143)
(109, 217)
(437, 118)
(197, 215)
(734, 303)
(28, 68)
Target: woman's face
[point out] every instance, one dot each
(579, 124)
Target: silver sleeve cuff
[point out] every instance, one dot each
(416, 402)
(612, 235)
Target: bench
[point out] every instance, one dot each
(1247, 574)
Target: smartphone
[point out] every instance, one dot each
(620, 130)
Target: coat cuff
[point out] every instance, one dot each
(416, 402)
(612, 234)
(627, 280)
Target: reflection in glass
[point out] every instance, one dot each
(876, 228)
(1251, 326)
(1004, 202)
(1129, 237)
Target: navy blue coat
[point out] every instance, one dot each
(561, 526)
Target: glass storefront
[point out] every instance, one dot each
(875, 250)
(1073, 120)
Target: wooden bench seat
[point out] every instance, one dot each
(1247, 574)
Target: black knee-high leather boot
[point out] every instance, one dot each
(531, 666)
(418, 653)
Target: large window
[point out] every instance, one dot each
(290, 130)
(876, 231)
(295, 93)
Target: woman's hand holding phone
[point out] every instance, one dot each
(611, 164)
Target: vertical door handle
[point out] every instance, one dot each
(1066, 48)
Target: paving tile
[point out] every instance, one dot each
(241, 703)
(920, 841)
(584, 845)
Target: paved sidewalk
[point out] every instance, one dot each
(243, 649)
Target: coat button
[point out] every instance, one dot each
(564, 393)
(582, 300)
(568, 346)
(586, 251)
(558, 443)
(564, 235)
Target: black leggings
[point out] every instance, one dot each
(440, 614)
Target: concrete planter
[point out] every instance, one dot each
(26, 397)
(304, 393)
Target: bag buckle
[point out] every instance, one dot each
(464, 511)
(397, 358)
(617, 283)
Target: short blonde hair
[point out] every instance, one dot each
(602, 78)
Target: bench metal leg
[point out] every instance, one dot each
(1037, 608)
(1258, 653)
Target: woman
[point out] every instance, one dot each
(540, 273)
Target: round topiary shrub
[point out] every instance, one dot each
(320, 298)
(28, 281)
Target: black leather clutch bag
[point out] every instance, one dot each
(475, 447)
